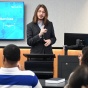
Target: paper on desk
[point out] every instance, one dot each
(55, 80)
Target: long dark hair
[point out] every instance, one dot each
(85, 56)
(79, 78)
(35, 18)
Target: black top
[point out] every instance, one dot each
(37, 43)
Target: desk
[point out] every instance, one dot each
(47, 85)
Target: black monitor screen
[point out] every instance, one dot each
(71, 38)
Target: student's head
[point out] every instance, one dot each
(40, 13)
(85, 57)
(79, 79)
(11, 54)
(84, 50)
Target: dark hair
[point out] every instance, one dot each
(35, 18)
(84, 49)
(85, 56)
(79, 78)
(11, 52)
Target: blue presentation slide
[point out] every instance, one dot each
(11, 20)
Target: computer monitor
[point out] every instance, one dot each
(76, 40)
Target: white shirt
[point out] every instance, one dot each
(15, 78)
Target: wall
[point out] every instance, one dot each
(66, 15)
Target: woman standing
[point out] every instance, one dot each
(40, 33)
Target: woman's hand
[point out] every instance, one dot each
(47, 42)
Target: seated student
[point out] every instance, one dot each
(11, 76)
(82, 60)
(81, 54)
(80, 78)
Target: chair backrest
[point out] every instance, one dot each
(66, 64)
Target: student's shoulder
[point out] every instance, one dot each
(27, 72)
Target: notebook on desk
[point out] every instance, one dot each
(55, 80)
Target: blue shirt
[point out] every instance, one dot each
(15, 78)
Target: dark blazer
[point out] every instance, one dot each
(37, 43)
